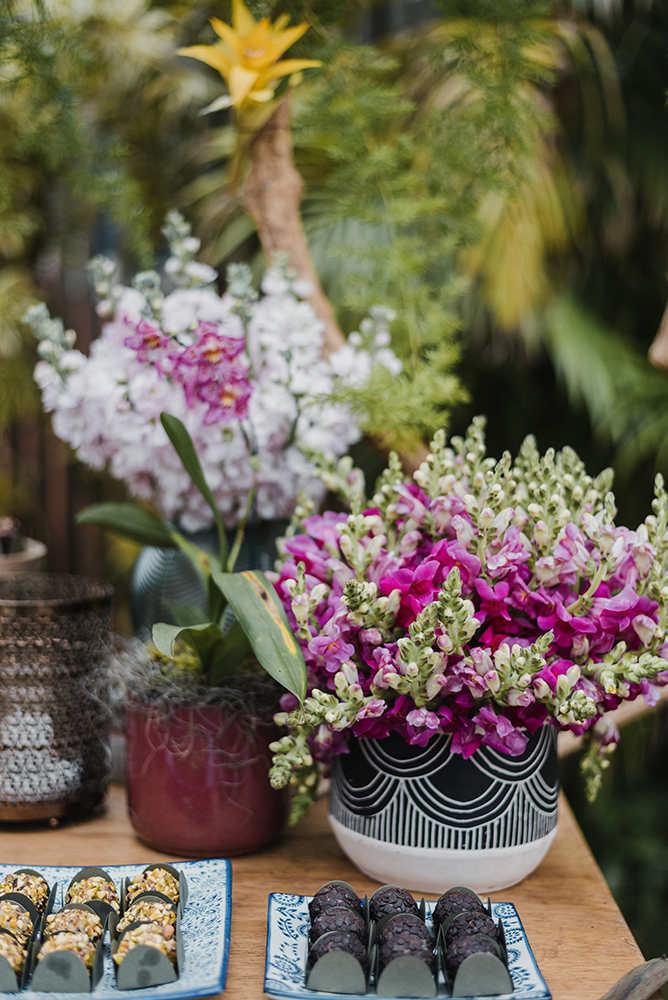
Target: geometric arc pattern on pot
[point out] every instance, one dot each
(429, 797)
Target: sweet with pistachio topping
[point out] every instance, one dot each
(148, 910)
(13, 952)
(15, 920)
(77, 942)
(95, 887)
(74, 921)
(155, 880)
(152, 935)
(33, 886)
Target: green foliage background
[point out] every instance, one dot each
(497, 176)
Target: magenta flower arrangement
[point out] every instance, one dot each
(480, 600)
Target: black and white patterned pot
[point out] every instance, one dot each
(425, 818)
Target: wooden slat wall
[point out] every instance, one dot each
(49, 485)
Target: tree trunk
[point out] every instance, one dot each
(272, 195)
(658, 352)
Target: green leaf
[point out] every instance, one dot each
(131, 521)
(204, 562)
(260, 614)
(185, 449)
(230, 655)
(202, 638)
(187, 614)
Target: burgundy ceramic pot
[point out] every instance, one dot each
(197, 781)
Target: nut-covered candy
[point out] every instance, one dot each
(465, 945)
(338, 918)
(456, 901)
(15, 920)
(405, 922)
(337, 941)
(406, 942)
(33, 886)
(74, 922)
(79, 943)
(333, 895)
(155, 880)
(470, 923)
(148, 911)
(391, 899)
(95, 887)
(152, 935)
(13, 952)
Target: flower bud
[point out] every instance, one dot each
(580, 647)
(319, 591)
(492, 681)
(541, 534)
(486, 519)
(542, 688)
(573, 675)
(350, 672)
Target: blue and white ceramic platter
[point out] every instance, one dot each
(287, 947)
(205, 926)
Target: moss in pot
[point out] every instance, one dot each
(201, 697)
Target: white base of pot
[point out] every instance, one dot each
(431, 869)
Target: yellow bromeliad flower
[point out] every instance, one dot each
(248, 55)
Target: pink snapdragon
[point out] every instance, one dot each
(574, 592)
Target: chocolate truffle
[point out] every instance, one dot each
(465, 945)
(33, 886)
(154, 880)
(406, 942)
(95, 887)
(405, 922)
(333, 895)
(470, 923)
(16, 920)
(337, 941)
(75, 922)
(391, 899)
(79, 943)
(338, 918)
(456, 901)
(152, 935)
(13, 952)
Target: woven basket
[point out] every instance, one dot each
(55, 633)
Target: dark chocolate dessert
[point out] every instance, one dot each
(470, 923)
(456, 901)
(337, 941)
(333, 895)
(338, 918)
(465, 945)
(391, 899)
(405, 922)
(406, 942)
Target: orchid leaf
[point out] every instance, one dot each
(185, 449)
(130, 521)
(204, 562)
(259, 612)
(229, 655)
(187, 614)
(202, 638)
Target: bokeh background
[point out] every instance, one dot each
(495, 170)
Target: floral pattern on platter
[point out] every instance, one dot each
(205, 926)
(287, 947)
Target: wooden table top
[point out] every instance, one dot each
(580, 939)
